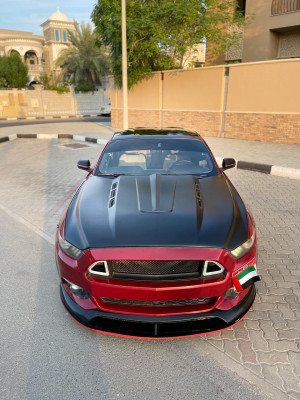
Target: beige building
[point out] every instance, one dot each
(39, 52)
(273, 32)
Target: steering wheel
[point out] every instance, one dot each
(184, 164)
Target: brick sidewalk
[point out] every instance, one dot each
(266, 343)
(284, 155)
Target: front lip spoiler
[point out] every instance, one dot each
(158, 327)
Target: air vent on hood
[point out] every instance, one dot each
(198, 194)
(113, 194)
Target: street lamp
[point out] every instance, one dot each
(124, 67)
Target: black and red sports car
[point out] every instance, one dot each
(157, 242)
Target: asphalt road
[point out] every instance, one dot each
(9, 123)
(44, 354)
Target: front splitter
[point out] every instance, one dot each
(142, 326)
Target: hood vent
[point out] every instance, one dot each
(113, 194)
(198, 194)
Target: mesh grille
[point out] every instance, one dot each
(168, 303)
(155, 267)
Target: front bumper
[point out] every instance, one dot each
(158, 326)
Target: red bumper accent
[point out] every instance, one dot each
(75, 272)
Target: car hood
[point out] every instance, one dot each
(156, 210)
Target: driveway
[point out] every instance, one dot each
(46, 355)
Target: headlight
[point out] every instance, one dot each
(68, 248)
(244, 248)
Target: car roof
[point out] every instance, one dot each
(149, 133)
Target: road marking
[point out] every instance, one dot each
(13, 136)
(29, 225)
(47, 136)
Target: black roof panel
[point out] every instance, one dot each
(166, 132)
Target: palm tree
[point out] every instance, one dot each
(84, 60)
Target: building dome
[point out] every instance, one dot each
(59, 16)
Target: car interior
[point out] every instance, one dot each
(145, 162)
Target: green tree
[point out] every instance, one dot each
(161, 32)
(13, 71)
(85, 60)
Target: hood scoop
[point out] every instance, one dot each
(156, 193)
(112, 195)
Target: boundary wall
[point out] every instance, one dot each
(40, 103)
(254, 101)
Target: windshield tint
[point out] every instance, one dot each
(161, 156)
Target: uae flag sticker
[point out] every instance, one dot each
(245, 277)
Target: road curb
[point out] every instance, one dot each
(49, 117)
(285, 172)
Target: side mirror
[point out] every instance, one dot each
(228, 163)
(85, 165)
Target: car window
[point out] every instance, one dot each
(164, 156)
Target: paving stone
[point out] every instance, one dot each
(290, 381)
(286, 311)
(272, 358)
(258, 341)
(291, 334)
(283, 345)
(228, 334)
(278, 320)
(248, 354)
(252, 324)
(296, 292)
(294, 358)
(257, 315)
(255, 368)
(241, 332)
(231, 348)
(269, 332)
(285, 284)
(296, 273)
(262, 306)
(271, 374)
(293, 302)
(293, 323)
(281, 291)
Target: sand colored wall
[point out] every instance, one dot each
(46, 103)
(198, 89)
(272, 87)
(12, 103)
(255, 101)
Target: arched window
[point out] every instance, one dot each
(13, 51)
(31, 58)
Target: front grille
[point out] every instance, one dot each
(155, 267)
(168, 303)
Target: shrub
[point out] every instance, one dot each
(13, 71)
(83, 87)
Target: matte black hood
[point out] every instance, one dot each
(156, 210)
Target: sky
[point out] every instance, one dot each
(28, 15)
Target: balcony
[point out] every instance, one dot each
(284, 6)
(35, 68)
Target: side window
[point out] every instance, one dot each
(64, 36)
(57, 35)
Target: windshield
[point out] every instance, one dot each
(156, 156)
